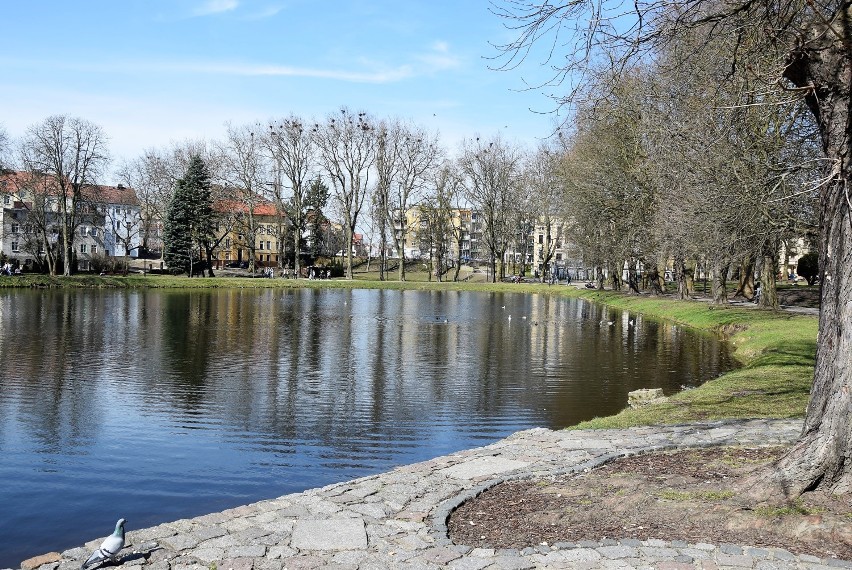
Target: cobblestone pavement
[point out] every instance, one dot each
(398, 519)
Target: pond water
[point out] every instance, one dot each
(159, 405)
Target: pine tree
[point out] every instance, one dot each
(189, 218)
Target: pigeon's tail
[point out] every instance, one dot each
(97, 556)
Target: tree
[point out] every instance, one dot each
(417, 154)
(490, 168)
(188, 218)
(291, 147)
(4, 147)
(320, 240)
(808, 267)
(347, 144)
(388, 135)
(154, 176)
(243, 174)
(69, 154)
(808, 46)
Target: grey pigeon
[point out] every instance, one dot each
(110, 547)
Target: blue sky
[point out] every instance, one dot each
(151, 72)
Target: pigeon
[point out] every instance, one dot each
(110, 547)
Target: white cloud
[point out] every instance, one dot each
(216, 7)
(251, 69)
(439, 58)
(264, 13)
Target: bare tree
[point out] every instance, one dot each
(347, 147)
(293, 155)
(4, 148)
(490, 168)
(243, 170)
(70, 153)
(809, 47)
(388, 135)
(417, 155)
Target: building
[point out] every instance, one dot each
(108, 222)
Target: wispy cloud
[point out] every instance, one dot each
(210, 7)
(367, 73)
(439, 57)
(378, 76)
(264, 13)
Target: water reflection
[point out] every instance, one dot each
(158, 405)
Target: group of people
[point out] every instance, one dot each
(318, 273)
(290, 273)
(7, 269)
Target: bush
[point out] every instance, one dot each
(808, 267)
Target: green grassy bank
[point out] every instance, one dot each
(776, 350)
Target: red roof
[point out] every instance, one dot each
(12, 181)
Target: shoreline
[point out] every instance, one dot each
(398, 518)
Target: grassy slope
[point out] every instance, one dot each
(776, 350)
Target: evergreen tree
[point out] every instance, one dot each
(189, 218)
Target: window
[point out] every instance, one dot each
(268, 246)
(15, 228)
(94, 249)
(94, 232)
(558, 257)
(540, 238)
(83, 230)
(15, 246)
(7, 200)
(228, 242)
(83, 248)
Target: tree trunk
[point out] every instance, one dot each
(719, 289)
(654, 280)
(746, 284)
(680, 277)
(768, 289)
(821, 457)
(350, 235)
(689, 277)
(458, 260)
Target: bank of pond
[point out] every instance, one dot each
(165, 403)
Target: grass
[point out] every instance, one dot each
(796, 507)
(776, 350)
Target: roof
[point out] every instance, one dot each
(262, 208)
(13, 181)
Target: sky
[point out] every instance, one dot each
(155, 72)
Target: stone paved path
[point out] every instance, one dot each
(398, 519)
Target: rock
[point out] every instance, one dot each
(36, 561)
(638, 398)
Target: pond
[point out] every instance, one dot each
(158, 405)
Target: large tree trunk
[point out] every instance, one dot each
(822, 455)
(746, 284)
(680, 278)
(768, 288)
(719, 288)
(350, 235)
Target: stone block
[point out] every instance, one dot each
(639, 398)
(36, 561)
(329, 534)
(482, 467)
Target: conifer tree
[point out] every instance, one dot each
(189, 218)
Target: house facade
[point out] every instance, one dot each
(30, 222)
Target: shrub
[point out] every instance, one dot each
(808, 267)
